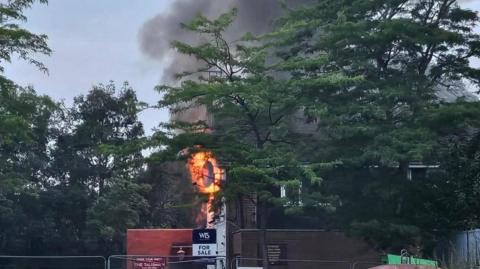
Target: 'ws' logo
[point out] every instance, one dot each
(204, 235)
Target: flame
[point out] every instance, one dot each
(206, 214)
(207, 176)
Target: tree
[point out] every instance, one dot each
(16, 40)
(67, 176)
(100, 142)
(449, 195)
(27, 123)
(251, 111)
(369, 71)
(457, 204)
(120, 208)
(94, 159)
(170, 201)
(25, 134)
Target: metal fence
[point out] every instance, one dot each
(169, 262)
(241, 262)
(164, 262)
(460, 251)
(53, 262)
(467, 248)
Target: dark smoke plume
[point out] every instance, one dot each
(255, 16)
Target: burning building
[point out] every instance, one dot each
(236, 223)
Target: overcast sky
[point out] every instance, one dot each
(95, 41)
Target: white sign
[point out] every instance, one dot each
(204, 250)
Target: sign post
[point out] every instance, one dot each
(204, 243)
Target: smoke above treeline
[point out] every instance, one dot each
(156, 35)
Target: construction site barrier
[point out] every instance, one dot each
(170, 262)
(242, 262)
(164, 262)
(52, 262)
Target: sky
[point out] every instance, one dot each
(95, 41)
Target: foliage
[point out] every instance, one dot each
(251, 125)
(370, 73)
(454, 189)
(17, 40)
(251, 116)
(171, 202)
(26, 131)
(97, 144)
(70, 177)
(120, 208)
(400, 51)
(97, 153)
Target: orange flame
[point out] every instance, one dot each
(207, 176)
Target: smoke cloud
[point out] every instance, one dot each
(156, 35)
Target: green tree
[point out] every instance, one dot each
(27, 123)
(170, 201)
(17, 41)
(96, 156)
(120, 208)
(26, 131)
(449, 195)
(100, 141)
(67, 176)
(251, 112)
(457, 204)
(370, 72)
